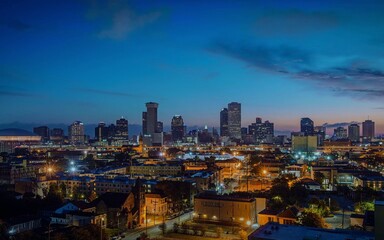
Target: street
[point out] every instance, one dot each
(155, 230)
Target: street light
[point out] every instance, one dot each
(101, 228)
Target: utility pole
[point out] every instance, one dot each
(146, 220)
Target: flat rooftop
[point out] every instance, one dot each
(273, 231)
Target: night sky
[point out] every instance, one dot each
(94, 61)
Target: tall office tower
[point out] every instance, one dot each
(177, 128)
(57, 135)
(258, 120)
(354, 133)
(234, 120)
(151, 119)
(121, 130)
(159, 127)
(340, 133)
(76, 133)
(43, 132)
(144, 120)
(111, 132)
(368, 129)
(320, 132)
(101, 132)
(224, 122)
(306, 126)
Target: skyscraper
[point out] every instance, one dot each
(177, 128)
(121, 129)
(76, 133)
(153, 135)
(101, 132)
(234, 120)
(306, 126)
(144, 123)
(368, 129)
(224, 122)
(354, 133)
(151, 117)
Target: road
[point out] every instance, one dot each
(337, 220)
(155, 230)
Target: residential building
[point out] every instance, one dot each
(340, 133)
(76, 133)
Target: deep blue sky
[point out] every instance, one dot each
(98, 60)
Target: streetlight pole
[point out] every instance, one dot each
(101, 228)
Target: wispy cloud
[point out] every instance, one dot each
(339, 124)
(118, 18)
(359, 81)
(291, 22)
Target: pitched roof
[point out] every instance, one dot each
(112, 199)
(289, 213)
(270, 212)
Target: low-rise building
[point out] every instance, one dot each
(284, 216)
(156, 204)
(232, 209)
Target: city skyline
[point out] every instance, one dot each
(98, 62)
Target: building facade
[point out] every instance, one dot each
(234, 120)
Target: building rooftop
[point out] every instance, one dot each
(274, 231)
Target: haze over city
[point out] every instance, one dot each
(99, 60)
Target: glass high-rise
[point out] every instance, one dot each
(177, 128)
(306, 126)
(234, 120)
(354, 133)
(224, 122)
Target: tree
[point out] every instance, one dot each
(310, 218)
(280, 188)
(319, 178)
(298, 193)
(319, 206)
(362, 207)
